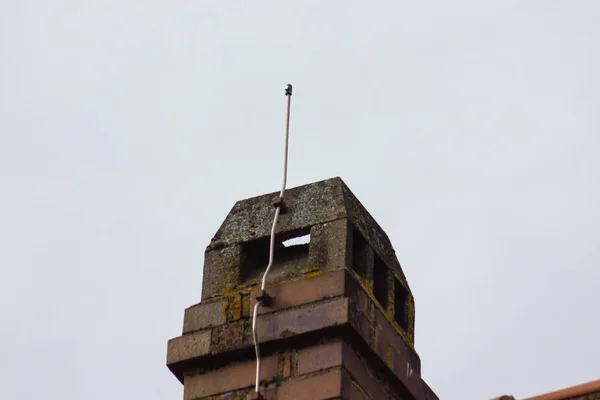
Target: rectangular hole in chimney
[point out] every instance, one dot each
(291, 252)
(297, 241)
(359, 253)
(380, 282)
(400, 305)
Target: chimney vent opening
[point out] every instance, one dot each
(297, 241)
(360, 249)
(380, 282)
(401, 305)
(291, 251)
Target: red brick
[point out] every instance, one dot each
(360, 322)
(204, 315)
(404, 362)
(363, 375)
(287, 364)
(352, 390)
(304, 291)
(314, 358)
(429, 394)
(301, 320)
(324, 386)
(358, 295)
(231, 377)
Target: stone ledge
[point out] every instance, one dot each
(205, 315)
(301, 307)
(233, 341)
(185, 347)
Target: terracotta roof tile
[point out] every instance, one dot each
(574, 391)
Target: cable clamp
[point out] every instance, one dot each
(279, 203)
(264, 298)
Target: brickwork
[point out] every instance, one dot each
(319, 364)
(341, 325)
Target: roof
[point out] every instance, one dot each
(573, 391)
(570, 393)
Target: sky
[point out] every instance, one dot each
(128, 130)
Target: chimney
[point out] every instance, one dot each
(341, 321)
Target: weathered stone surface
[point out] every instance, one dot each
(188, 346)
(330, 245)
(306, 206)
(232, 336)
(205, 315)
(221, 274)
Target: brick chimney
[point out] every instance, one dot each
(341, 323)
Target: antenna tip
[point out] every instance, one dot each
(288, 89)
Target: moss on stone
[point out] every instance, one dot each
(389, 356)
(311, 272)
(360, 390)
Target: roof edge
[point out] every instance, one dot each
(573, 391)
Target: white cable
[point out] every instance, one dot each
(288, 93)
(285, 165)
(254, 317)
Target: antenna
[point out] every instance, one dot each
(263, 298)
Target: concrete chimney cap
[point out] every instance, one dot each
(306, 206)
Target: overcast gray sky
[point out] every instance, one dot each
(128, 129)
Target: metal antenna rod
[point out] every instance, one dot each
(288, 94)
